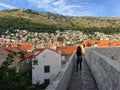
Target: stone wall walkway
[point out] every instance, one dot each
(82, 80)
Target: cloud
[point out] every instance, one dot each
(6, 5)
(73, 7)
(65, 7)
(68, 7)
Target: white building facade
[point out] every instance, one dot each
(49, 64)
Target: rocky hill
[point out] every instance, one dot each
(45, 21)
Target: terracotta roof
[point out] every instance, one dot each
(4, 50)
(89, 42)
(12, 47)
(25, 46)
(67, 50)
(17, 58)
(39, 49)
(29, 54)
(103, 42)
(26, 56)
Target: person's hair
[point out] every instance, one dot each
(79, 51)
(83, 45)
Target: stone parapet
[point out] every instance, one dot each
(62, 79)
(105, 69)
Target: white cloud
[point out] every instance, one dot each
(6, 6)
(76, 7)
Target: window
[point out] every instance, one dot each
(44, 56)
(47, 81)
(47, 69)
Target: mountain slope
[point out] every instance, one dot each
(34, 20)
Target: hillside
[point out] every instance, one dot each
(45, 21)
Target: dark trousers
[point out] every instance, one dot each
(79, 63)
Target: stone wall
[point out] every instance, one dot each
(111, 52)
(105, 70)
(62, 79)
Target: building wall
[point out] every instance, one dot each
(65, 58)
(63, 78)
(105, 70)
(15, 64)
(2, 57)
(46, 57)
(25, 63)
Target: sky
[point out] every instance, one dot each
(107, 8)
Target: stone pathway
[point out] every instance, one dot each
(82, 80)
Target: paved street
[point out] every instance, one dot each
(82, 80)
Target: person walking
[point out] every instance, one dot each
(79, 58)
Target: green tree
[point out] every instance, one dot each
(10, 79)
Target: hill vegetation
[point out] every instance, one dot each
(48, 22)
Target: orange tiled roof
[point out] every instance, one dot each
(67, 50)
(39, 49)
(103, 42)
(4, 50)
(17, 57)
(12, 47)
(25, 46)
(27, 55)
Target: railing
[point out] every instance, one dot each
(62, 79)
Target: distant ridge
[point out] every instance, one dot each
(35, 19)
